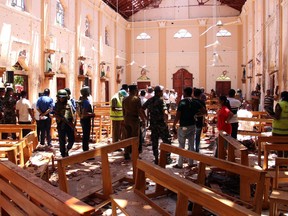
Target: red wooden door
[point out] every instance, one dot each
(60, 83)
(143, 85)
(223, 87)
(182, 79)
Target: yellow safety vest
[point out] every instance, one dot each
(281, 126)
(116, 115)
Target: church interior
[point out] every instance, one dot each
(214, 45)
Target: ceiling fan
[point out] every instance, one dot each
(216, 44)
(219, 23)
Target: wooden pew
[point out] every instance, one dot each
(278, 196)
(260, 120)
(102, 120)
(137, 202)
(101, 104)
(16, 128)
(248, 175)
(270, 139)
(19, 152)
(22, 193)
(14, 152)
(103, 152)
(30, 144)
(232, 146)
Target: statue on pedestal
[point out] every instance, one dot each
(49, 64)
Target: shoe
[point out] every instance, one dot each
(169, 160)
(177, 166)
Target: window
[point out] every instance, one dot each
(60, 13)
(19, 4)
(223, 33)
(143, 36)
(182, 33)
(87, 27)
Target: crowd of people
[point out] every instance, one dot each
(133, 112)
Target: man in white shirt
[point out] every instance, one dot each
(24, 112)
(142, 124)
(235, 104)
(150, 93)
(172, 98)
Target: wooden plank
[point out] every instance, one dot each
(18, 198)
(39, 190)
(7, 206)
(106, 176)
(131, 203)
(181, 204)
(265, 120)
(250, 172)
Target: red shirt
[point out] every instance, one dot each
(222, 116)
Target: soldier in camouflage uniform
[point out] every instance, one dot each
(64, 114)
(9, 110)
(158, 126)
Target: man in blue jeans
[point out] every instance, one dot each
(45, 106)
(186, 111)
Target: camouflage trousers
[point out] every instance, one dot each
(159, 130)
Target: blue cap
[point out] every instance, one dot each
(123, 93)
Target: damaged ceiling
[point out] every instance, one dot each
(128, 7)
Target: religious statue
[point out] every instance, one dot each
(143, 75)
(62, 68)
(81, 68)
(49, 64)
(102, 71)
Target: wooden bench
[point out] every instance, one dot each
(279, 196)
(30, 144)
(270, 139)
(232, 146)
(248, 175)
(19, 152)
(13, 151)
(16, 128)
(22, 193)
(102, 120)
(259, 119)
(107, 181)
(137, 202)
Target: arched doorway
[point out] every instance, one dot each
(182, 79)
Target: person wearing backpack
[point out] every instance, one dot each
(186, 113)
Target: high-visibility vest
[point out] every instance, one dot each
(281, 126)
(116, 115)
